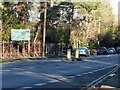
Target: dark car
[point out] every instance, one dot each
(111, 51)
(118, 50)
(102, 50)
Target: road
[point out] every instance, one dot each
(53, 73)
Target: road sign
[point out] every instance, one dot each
(20, 34)
(88, 40)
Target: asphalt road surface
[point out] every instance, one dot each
(53, 73)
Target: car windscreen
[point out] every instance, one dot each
(81, 48)
(101, 48)
(110, 49)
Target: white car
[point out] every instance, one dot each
(111, 51)
(84, 51)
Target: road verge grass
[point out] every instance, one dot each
(29, 59)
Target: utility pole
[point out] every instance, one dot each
(52, 3)
(44, 29)
(99, 33)
(71, 21)
(99, 29)
(99, 26)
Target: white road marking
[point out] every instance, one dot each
(63, 79)
(91, 71)
(53, 81)
(40, 84)
(101, 78)
(111, 75)
(24, 88)
(71, 76)
(78, 75)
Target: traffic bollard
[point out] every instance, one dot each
(77, 53)
(69, 54)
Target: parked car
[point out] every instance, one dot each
(102, 50)
(111, 51)
(84, 51)
(118, 50)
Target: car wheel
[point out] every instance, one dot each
(106, 53)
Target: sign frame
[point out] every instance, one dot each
(20, 34)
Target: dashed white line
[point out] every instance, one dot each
(40, 84)
(91, 71)
(72, 76)
(53, 81)
(78, 75)
(24, 88)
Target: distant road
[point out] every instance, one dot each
(56, 74)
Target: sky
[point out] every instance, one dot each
(114, 4)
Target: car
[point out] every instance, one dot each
(102, 50)
(118, 50)
(111, 51)
(84, 51)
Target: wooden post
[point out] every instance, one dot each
(46, 49)
(34, 48)
(0, 50)
(11, 48)
(18, 53)
(39, 49)
(24, 52)
(3, 50)
(29, 48)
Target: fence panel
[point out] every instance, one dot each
(22, 50)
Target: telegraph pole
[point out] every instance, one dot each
(99, 29)
(44, 29)
(71, 20)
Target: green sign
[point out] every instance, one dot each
(20, 34)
